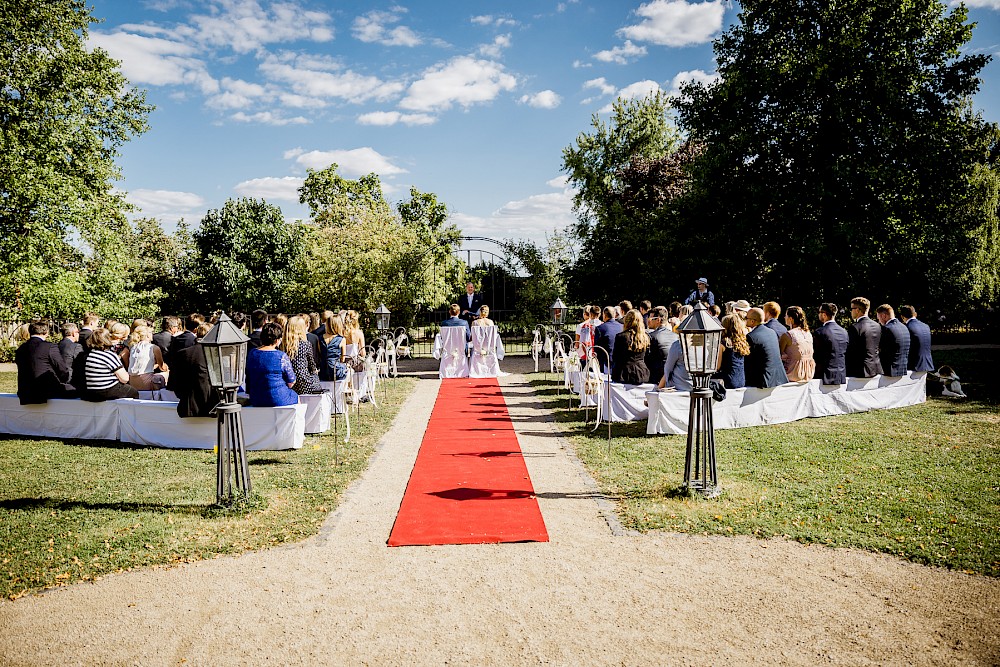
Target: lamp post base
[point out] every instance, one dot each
(700, 474)
(231, 466)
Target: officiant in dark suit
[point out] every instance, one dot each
(470, 303)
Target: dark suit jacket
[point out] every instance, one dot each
(69, 349)
(41, 371)
(463, 303)
(162, 340)
(659, 346)
(458, 322)
(763, 367)
(628, 366)
(894, 348)
(830, 352)
(84, 335)
(189, 380)
(178, 343)
(862, 348)
(604, 336)
(776, 326)
(254, 339)
(920, 346)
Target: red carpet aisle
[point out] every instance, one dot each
(469, 484)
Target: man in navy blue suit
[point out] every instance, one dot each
(454, 320)
(863, 342)
(920, 340)
(41, 371)
(762, 367)
(604, 334)
(894, 345)
(771, 313)
(830, 347)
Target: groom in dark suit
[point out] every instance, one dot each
(863, 339)
(470, 303)
(830, 347)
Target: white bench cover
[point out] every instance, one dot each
(60, 418)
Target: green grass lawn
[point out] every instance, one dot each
(921, 482)
(76, 510)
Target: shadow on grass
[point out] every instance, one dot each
(121, 506)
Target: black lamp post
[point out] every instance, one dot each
(226, 354)
(701, 335)
(558, 313)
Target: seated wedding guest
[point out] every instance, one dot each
(674, 310)
(675, 375)
(605, 333)
(894, 344)
(661, 337)
(715, 310)
(300, 353)
(762, 366)
(796, 347)
(69, 346)
(484, 318)
(239, 320)
(628, 365)
(830, 342)
(453, 320)
(336, 349)
(356, 337)
(269, 375)
(169, 327)
(319, 350)
(146, 370)
(21, 334)
(88, 323)
(257, 320)
(920, 358)
(189, 379)
(772, 311)
(119, 340)
(186, 338)
(584, 336)
(105, 377)
(41, 372)
(741, 308)
(684, 311)
(863, 342)
(729, 307)
(314, 323)
(320, 329)
(732, 352)
(700, 293)
(623, 307)
(644, 307)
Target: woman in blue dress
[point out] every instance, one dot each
(733, 349)
(269, 377)
(336, 346)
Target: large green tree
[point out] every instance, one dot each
(842, 156)
(64, 112)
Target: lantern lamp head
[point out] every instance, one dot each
(558, 312)
(382, 315)
(701, 335)
(226, 353)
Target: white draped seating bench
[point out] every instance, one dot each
(666, 412)
(152, 422)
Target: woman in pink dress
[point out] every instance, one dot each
(797, 347)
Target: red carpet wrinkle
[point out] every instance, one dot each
(469, 484)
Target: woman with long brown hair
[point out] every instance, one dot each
(336, 349)
(628, 361)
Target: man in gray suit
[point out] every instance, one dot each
(863, 339)
(660, 339)
(762, 367)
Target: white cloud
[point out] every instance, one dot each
(245, 26)
(355, 162)
(621, 54)
(312, 77)
(562, 6)
(463, 80)
(168, 203)
(385, 118)
(493, 50)
(601, 85)
(986, 4)
(547, 99)
(237, 94)
(496, 21)
(268, 118)
(285, 188)
(531, 218)
(696, 75)
(155, 61)
(634, 91)
(579, 64)
(373, 27)
(676, 22)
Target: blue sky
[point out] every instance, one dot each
(471, 100)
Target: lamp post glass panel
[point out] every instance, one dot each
(382, 315)
(226, 356)
(558, 313)
(701, 335)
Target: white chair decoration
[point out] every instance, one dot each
(402, 344)
(487, 350)
(538, 343)
(343, 396)
(450, 346)
(365, 381)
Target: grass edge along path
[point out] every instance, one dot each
(77, 510)
(921, 483)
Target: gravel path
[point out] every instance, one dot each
(592, 595)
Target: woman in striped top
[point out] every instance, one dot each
(106, 377)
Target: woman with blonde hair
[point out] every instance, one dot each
(119, 337)
(296, 345)
(797, 347)
(336, 349)
(628, 361)
(732, 350)
(484, 318)
(144, 359)
(354, 335)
